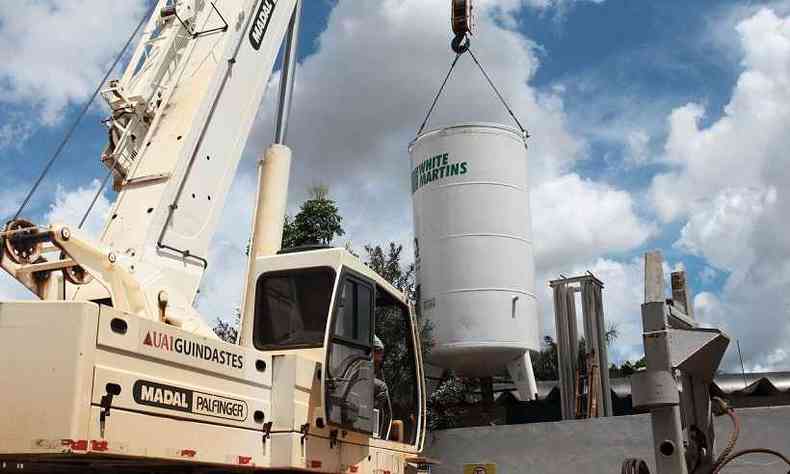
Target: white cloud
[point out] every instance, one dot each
(15, 132)
(728, 185)
(54, 53)
(726, 222)
(545, 4)
(708, 274)
(70, 206)
(637, 147)
(576, 219)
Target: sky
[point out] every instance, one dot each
(654, 125)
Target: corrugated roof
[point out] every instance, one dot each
(750, 384)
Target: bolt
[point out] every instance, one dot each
(112, 257)
(65, 233)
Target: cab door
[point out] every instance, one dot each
(349, 361)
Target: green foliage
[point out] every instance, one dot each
(228, 331)
(317, 222)
(388, 265)
(628, 368)
(394, 329)
(544, 363)
(452, 400)
(612, 334)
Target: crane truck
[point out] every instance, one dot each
(113, 368)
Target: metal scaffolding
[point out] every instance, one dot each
(598, 391)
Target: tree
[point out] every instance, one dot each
(318, 221)
(389, 266)
(612, 333)
(394, 330)
(228, 331)
(628, 368)
(544, 363)
(453, 398)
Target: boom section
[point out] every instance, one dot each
(180, 118)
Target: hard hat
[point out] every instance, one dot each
(377, 344)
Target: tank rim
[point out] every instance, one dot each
(461, 125)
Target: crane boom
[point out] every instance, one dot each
(204, 90)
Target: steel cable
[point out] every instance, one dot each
(459, 53)
(96, 196)
(504, 102)
(752, 451)
(436, 99)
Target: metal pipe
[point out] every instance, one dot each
(274, 172)
(268, 222)
(287, 81)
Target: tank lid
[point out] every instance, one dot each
(461, 126)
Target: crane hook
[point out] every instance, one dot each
(460, 44)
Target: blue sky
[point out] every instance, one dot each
(650, 124)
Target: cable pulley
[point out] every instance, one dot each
(464, 25)
(464, 20)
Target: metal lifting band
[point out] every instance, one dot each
(73, 127)
(460, 47)
(507, 107)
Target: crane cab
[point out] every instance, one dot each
(324, 316)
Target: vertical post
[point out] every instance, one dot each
(665, 420)
(561, 331)
(573, 328)
(567, 346)
(274, 171)
(595, 334)
(681, 293)
(654, 277)
(287, 77)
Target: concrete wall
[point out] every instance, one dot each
(598, 446)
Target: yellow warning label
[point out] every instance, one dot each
(479, 468)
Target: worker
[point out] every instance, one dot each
(381, 395)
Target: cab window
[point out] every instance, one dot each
(292, 307)
(354, 312)
(396, 369)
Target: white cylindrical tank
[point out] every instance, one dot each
(473, 245)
